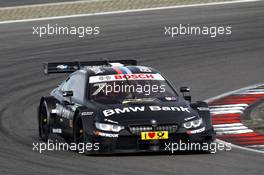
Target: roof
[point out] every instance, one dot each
(110, 70)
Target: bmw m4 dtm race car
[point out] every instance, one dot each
(122, 107)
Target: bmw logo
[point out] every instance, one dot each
(153, 122)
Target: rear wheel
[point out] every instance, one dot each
(44, 121)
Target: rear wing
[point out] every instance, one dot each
(70, 67)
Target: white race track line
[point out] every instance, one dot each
(229, 93)
(126, 11)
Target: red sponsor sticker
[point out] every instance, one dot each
(134, 76)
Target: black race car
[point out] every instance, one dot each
(121, 107)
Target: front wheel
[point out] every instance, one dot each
(44, 122)
(80, 137)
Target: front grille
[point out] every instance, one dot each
(137, 129)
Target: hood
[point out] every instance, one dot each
(142, 114)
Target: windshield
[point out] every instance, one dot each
(122, 88)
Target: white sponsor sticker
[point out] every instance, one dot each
(96, 69)
(87, 113)
(109, 112)
(56, 130)
(122, 77)
(107, 134)
(196, 131)
(144, 69)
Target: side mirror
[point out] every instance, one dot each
(188, 98)
(185, 90)
(67, 93)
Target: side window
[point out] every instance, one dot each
(75, 83)
(64, 86)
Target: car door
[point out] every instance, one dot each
(75, 84)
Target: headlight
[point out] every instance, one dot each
(108, 127)
(193, 124)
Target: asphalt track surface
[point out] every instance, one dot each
(10, 3)
(211, 66)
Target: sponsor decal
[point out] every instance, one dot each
(196, 131)
(122, 77)
(96, 69)
(157, 135)
(169, 108)
(144, 69)
(56, 130)
(87, 113)
(103, 134)
(109, 112)
(134, 76)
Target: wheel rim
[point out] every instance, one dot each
(79, 132)
(44, 127)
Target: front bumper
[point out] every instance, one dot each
(127, 142)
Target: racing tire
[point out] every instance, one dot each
(44, 122)
(80, 136)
